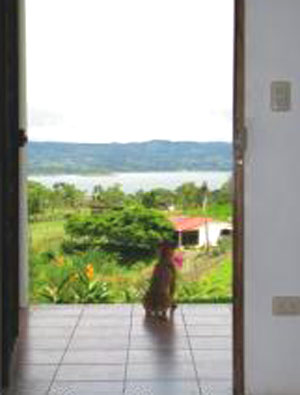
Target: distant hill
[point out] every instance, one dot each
(156, 155)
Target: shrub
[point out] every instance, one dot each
(132, 233)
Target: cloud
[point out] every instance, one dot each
(40, 118)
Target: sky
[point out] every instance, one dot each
(101, 71)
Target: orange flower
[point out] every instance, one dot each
(89, 271)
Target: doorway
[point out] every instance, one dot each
(238, 223)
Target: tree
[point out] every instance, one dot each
(224, 195)
(188, 195)
(68, 195)
(159, 198)
(133, 232)
(39, 198)
(112, 197)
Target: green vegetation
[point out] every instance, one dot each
(157, 155)
(46, 236)
(46, 204)
(213, 286)
(132, 232)
(102, 248)
(97, 277)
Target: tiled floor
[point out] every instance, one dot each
(112, 349)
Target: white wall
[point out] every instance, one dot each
(212, 232)
(272, 234)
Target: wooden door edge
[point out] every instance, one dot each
(238, 201)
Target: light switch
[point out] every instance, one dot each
(281, 96)
(286, 305)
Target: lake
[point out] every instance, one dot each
(132, 182)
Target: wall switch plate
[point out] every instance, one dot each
(286, 305)
(281, 96)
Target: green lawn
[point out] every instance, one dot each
(45, 236)
(221, 212)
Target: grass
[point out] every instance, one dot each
(58, 278)
(220, 212)
(45, 236)
(215, 286)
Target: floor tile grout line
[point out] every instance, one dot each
(128, 350)
(209, 336)
(65, 350)
(192, 354)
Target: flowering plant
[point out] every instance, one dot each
(178, 259)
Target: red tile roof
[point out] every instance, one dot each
(189, 223)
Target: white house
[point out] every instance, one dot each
(199, 231)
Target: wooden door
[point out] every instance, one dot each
(9, 183)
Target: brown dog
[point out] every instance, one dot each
(160, 295)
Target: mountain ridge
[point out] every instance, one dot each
(153, 155)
